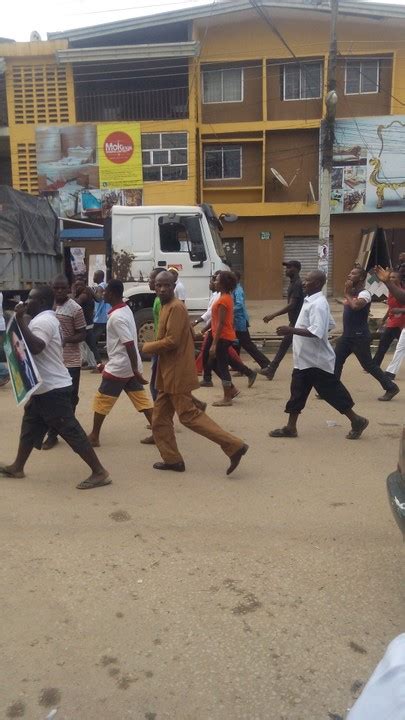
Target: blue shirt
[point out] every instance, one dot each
(240, 314)
(101, 308)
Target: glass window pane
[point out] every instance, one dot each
(232, 163)
(178, 157)
(311, 80)
(369, 80)
(213, 164)
(160, 157)
(146, 159)
(174, 140)
(353, 78)
(232, 85)
(212, 86)
(174, 172)
(150, 141)
(291, 82)
(151, 174)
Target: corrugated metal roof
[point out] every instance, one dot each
(375, 10)
(128, 52)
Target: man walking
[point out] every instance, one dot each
(101, 309)
(314, 362)
(176, 378)
(295, 298)
(123, 371)
(241, 325)
(73, 326)
(356, 334)
(50, 405)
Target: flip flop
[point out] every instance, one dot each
(6, 473)
(354, 434)
(283, 432)
(89, 484)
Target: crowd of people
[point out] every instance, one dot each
(61, 327)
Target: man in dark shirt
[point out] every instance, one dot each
(295, 298)
(356, 334)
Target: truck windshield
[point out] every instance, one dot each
(217, 240)
(182, 234)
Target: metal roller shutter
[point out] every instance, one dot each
(305, 249)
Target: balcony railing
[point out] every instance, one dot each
(164, 104)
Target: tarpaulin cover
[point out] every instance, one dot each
(27, 223)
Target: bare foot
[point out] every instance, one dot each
(11, 471)
(94, 440)
(95, 480)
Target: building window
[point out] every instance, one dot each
(164, 157)
(223, 163)
(362, 77)
(221, 86)
(302, 81)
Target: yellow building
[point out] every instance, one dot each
(230, 98)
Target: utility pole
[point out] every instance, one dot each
(327, 139)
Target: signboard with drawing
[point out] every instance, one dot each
(86, 169)
(369, 165)
(23, 371)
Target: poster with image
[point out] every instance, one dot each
(368, 172)
(24, 376)
(120, 155)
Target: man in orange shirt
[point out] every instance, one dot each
(176, 377)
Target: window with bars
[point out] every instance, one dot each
(27, 176)
(362, 77)
(223, 162)
(40, 94)
(221, 86)
(301, 81)
(164, 157)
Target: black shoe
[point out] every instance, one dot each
(176, 467)
(236, 458)
(389, 394)
(206, 383)
(268, 372)
(252, 378)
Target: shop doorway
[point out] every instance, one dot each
(305, 249)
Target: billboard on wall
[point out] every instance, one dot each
(86, 169)
(368, 172)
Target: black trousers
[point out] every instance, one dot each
(233, 360)
(326, 385)
(249, 346)
(360, 347)
(282, 350)
(387, 336)
(92, 345)
(74, 373)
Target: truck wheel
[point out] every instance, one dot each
(145, 328)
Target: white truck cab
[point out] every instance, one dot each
(146, 237)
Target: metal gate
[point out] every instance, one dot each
(305, 249)
(234, 254)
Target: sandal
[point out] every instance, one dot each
(89, 484)
(356, 431)
(283, 432)
(4, 472)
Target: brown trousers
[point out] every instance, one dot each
(163, 429)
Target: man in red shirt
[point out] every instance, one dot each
(392, 323)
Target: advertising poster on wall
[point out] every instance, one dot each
(84, 170)
(23, 371)
(120, 155)
(369, 165)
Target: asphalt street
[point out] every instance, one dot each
(270, 595)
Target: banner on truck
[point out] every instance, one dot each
(24, 375)
(84, 170)
(368, 172)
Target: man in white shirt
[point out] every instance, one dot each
(123, 371)
(50, 406)
(314, 362)
(179, 289)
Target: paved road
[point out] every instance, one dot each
(268, 596)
